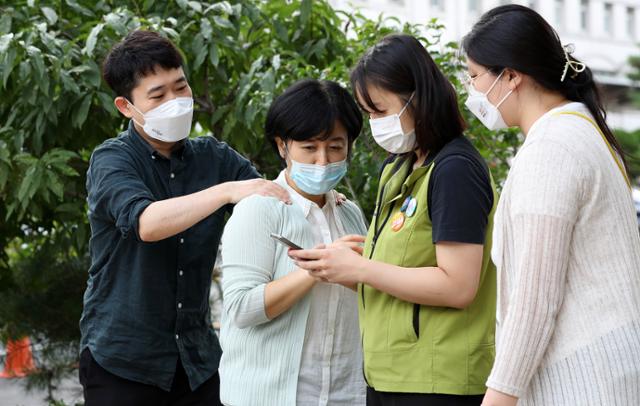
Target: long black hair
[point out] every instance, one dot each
(517, 37)
(401, 65)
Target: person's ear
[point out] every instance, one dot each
(514, 77)
(123, 106)
(282, 150)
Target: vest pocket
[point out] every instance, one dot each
(416, 319)
(401, 331)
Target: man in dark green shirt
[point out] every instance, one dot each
(157, 201)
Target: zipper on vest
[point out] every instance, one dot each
(378, 230)
(374, 240)
(416, 319)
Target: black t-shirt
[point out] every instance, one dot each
(460, 193)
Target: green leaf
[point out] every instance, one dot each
(93, 74)
(50, 14)
(183, 4)
(92, 39)
(281, 31)
(68, 83)
(198, 43)
(251, 111)
(305, 11)
(268, 84)
(218, 114)
(148, 4)
(80, 114)
(275, 61)
(200, 58)
(222, 22)
(214, 58)
(117, 22)
(80, 9)
(30, 183)
(205, 29)
(171, 32)
(9, 64)
(196, 6)
(107, 103)
(38, 64)
(4, 176)
(5, 40)
(5, 23)
(55, 185)
(318, 48)
(5, 164)
(222, 7)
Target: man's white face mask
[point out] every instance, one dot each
(170, 121)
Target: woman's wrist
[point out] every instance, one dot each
(363, 271)
(306, 277)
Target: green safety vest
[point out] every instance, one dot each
(414, 348)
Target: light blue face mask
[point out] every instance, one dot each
(317, 179)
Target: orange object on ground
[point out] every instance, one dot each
(19, 360)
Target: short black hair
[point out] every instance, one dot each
(309, 109)
(135, 57)
(400, 64)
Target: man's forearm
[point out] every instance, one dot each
(166, 218)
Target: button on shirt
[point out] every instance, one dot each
(146, 303)
(331, 364)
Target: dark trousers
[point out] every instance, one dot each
(102, 388)
(375, 398)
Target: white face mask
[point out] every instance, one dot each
(481, 107)
(170, 121)
(387, 132)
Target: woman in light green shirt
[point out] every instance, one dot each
(288, 339)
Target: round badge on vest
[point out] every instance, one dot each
(412, 206)
(405, 204)
(397, 222)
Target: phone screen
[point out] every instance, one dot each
(285, 241)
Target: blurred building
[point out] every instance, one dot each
(605, 34)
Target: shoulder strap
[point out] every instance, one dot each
(613, 153)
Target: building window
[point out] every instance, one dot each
(584, 15)
(631, 22)
(437, 5)
(608, 18)
(559, 12)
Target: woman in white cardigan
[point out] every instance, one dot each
(286, 338)
(566, 242)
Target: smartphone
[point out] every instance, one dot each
(285, 241)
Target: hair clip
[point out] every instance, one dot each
(571, 63)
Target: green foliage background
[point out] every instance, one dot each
(630, 140)
(55, 109)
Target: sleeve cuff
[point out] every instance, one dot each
(134, 219)
(507, 389)
(251, 311)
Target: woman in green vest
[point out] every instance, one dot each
(426, 285)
